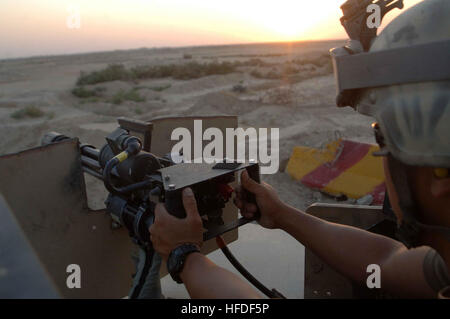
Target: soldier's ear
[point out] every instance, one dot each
(440, 182)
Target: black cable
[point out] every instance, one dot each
(131, 150)
(107, 175)
(135, 186)
(244, 272)
(123, 190)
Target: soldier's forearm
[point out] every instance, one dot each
(347, 249)
(204, 279)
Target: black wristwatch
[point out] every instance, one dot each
(177, 257)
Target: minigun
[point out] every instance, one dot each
(137, 179)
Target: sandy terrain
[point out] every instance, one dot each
(302, 108)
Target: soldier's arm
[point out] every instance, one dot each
(347, 249)
(350, 250)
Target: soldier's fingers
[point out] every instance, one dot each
(190, 204)
(251, 208)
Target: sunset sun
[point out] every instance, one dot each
(289, 19)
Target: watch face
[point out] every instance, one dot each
(173, 261)
(176, 258)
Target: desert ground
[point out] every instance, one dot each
(285, 86)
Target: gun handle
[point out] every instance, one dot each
(253, 173)
(174, 203)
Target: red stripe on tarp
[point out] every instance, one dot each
(351, 154)
(378, 194)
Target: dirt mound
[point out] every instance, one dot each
(311, 91)
(222, 103)
(279, 96)
(207, 83)
(109, 109)
(111, 88)
(149, 94)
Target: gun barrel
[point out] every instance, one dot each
(91, 163)
(90, 151)
(89, 154)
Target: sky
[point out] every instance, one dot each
(48, 27)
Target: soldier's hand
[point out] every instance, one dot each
(169, 232)
(270, 206)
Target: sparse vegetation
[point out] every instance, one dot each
(256, 74)
(82, 92)
(272, 74)
(195, 70)
(289, 69)
(191, 70)
(269, 55)
(320, 60)
(160, 88)
(131, 95)
(30, 111)
(255, 62)
(112, 72)
(187, 56)
(50, 115)
(293, 70)
(239, 88)
(155, 88)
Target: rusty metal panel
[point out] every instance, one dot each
(321, 281)
(45, 189)
(161, 144)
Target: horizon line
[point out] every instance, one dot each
(161, 48)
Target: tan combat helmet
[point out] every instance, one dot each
(402, 78)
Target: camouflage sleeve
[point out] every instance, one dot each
(435, 270)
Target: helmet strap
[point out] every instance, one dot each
(410, 228)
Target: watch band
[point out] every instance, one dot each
(177, 257)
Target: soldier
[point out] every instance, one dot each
(403, 80)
